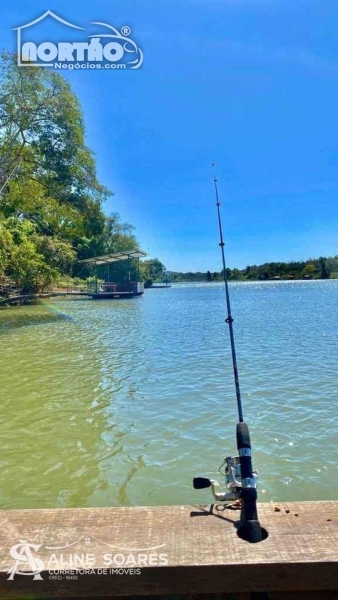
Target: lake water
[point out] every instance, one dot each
(123, 402)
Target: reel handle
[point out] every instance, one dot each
(201, 483)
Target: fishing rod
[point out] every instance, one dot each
(240, 479)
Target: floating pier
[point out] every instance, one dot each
(111, 290)
(184, 551)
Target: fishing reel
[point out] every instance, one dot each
(233, 481)
(241, 482)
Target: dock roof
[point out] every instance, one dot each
(115, 257)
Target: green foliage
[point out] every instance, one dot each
(189, 276)
(152, 270)
(32, 260)
(309, 271)
(51, 201)
(109, 236)
(6, 246)
(320, 268)
(39, 111)
(323, 269)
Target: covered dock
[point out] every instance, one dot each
(111, 289)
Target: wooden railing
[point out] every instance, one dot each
(180, 551)
(69, 286)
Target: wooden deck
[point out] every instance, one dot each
(204, 555)
(115, 295)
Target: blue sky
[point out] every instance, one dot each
(249, 84)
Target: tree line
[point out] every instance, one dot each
(317, 268)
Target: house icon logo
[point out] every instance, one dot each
(114, 52)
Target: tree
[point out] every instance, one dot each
(42, 137)
(152, 270)
(323, 271)
(332, 266)
(38, 110)
(309, 271)
(236, 275)
(33, 260)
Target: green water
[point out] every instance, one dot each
(120, 403)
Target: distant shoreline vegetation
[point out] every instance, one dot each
(317, 268)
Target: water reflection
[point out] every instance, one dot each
(16, 317)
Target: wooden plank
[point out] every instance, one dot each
(115, 295)
(204, 553)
